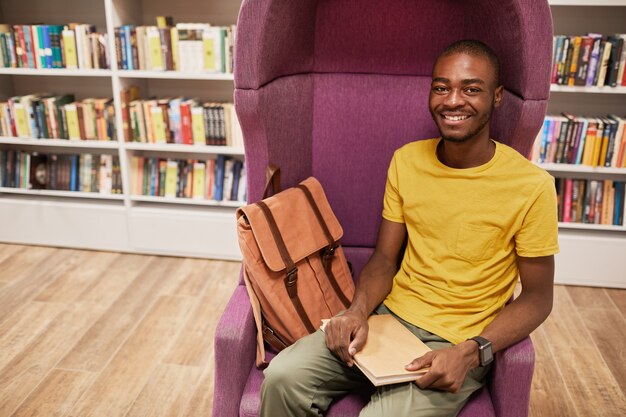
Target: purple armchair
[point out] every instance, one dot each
(331, 89)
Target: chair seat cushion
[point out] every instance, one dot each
(350, 405)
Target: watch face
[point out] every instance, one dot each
(487, 355)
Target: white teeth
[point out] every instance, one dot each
(455, 118)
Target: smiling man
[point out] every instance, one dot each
(476, 215)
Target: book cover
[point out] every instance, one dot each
(69, 48)
(55, 45)
(597, 146)
(39, 50)
(241, 193)
(389, 348)
(604, 63)
(619, 133)
(199, 181)
(191, 46)
(618, 219)
(614, 60)
(573, 60)
(567, 201)
(71, 115)
(562, 144)
(563, 67)
(171, 178)
(22, 124)
(236, 180)
(197, 126)
(593, 58)
(154, 54)
(218, 191)
(162, 175)
(38, 171)
(580, 143)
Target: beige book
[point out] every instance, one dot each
(389, 348)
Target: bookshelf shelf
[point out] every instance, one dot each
(195, 149)
(582, 169)
(60, 143)
(60, 72)
(579, 89)
(120, 222)
(585, 226)
(186, 201)
(56, 193)
(174, 75)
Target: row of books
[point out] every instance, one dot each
(179, 120)
(96, 173)
(591, 201)
(191, 47)
(593, 141)
(220, 179)
(589, 60)
(45, 116)
(75, 45)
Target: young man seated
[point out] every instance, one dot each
(477, 216)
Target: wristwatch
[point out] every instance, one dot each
(485, 352)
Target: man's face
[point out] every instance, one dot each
(463, 95)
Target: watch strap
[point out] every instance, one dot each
(480, 340)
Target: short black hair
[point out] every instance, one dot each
(475, 48)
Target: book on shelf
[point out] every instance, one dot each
(41, 46)
(47, 116)
(97, 173)
(589, 60)
(590, 201)
(388, 349)
(591, 141)
(219, 179)
(187, 47)
(179, 120)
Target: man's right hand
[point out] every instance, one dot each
(346, 334)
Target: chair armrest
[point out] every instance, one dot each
(511, 379)
(235, 349)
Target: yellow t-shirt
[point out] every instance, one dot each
(465, 229)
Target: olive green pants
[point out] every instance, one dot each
(304, 378)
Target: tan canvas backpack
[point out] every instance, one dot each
(294, 268)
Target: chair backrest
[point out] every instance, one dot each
(331, 88)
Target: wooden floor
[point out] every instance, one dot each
(103, 334)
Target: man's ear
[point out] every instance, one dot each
(497, 98)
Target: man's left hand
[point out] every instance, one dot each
(448, 367)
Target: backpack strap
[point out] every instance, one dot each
(261, 363)
(291, 280)
(272, 178)
(330, 250)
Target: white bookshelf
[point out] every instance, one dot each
(65, 194)
(601, 227)
(57, 72)
(193, 149)
(174, 75)
(124, 222)
(60, 143)
(581, 89)
(585, 170)
(590, 254)
(186, 201)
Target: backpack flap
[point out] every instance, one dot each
(296, 221)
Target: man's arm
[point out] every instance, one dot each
(523, 315)
(516, 321)
(346, 334)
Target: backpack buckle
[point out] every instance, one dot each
(290, 282)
